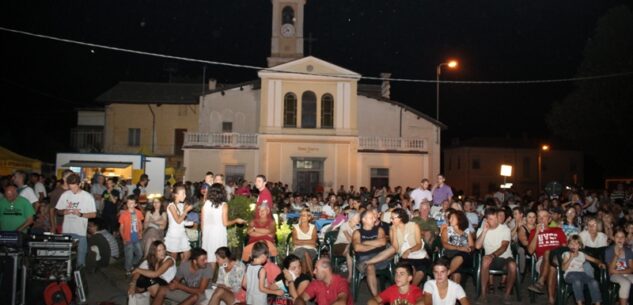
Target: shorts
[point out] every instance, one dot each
(177, 295)
(364, 258)
(339, 249)
(467, 257)
(419, 265)
(300, 252)
(499, 263)
(144, 282)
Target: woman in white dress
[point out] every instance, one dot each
(176, 239)
(215, 219)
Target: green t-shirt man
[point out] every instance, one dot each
(14, 213)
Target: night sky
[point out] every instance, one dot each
(43, 81)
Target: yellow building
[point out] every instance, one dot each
(308, 122)
(150, 118)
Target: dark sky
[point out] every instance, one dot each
(43, 81)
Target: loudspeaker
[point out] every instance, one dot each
(12, 278)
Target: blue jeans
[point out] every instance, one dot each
(133, 254)
(578, 280)
(82, 249)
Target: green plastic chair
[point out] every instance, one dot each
(385, 274)
(330, 238)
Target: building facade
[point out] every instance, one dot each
(474, 167)
(305, 122)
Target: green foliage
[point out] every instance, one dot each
(239, 207)
(282, 237)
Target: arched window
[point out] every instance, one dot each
(290, 110)
(308, 110)
(287, 15)
(327, 111)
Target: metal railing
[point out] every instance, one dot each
(86, 140)
(385, 143)
(227, 139)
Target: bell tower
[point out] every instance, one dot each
(286, 43)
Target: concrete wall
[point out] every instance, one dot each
(404, 169)
(199, 161)
(237, 106)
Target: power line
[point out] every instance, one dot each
(351, 76)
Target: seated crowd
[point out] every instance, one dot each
(424, 240)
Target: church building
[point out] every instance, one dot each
(309, 122)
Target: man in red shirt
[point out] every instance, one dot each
(402, 292)
(327, 288)
(543, 240)
(264, 193)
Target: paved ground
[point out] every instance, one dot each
(110, 285)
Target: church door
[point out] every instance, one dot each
(307, 174)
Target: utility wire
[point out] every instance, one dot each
(350, 76)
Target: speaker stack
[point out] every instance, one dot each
(12, 271)
(51, 275)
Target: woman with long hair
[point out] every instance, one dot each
(155, 224)
(157, 270)
(304, 238)
(215, 219)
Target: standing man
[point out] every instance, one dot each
(420, 194)
(19, 179)
(38, 186)
(495, 238)
(264, 194)
(441, 192)
(62, 187)
(16, 213)
(77, 206)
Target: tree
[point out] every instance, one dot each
(596, 115)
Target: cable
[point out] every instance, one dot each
(350, 76)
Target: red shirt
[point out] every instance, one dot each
(550, 239)
(264, 195)
(328, 294)
(391, 295)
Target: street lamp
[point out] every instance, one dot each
(543, 148)
(452, 64)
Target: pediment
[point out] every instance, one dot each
(309, 67)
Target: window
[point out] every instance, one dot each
(327, 111)
(227, 126)
(287, 15)
(476, 164)
(134, 137)
(308, 110)
(234, 173)
(526, 167)
(290, 110)
(379, 177)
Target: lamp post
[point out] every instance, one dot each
(451, 64)
(542, 149)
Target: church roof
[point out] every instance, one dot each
(311, 67)
(374, 91)
(152, 93)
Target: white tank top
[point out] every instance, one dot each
(175, 229)
(304, 236)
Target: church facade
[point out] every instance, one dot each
(308, 122)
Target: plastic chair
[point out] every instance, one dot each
(357, 277)
(533, 276)
(565, 290)
(517, 282)
(330, 238)
(465, 272)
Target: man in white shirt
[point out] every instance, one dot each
(19, 179)
(495, 239)
(38, 186)
(77, 206)
(421, 193)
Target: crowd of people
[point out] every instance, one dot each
(176, 246)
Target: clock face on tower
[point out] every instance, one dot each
(287, 30)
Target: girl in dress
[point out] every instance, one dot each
(176, 239)
(155, 224)
(215, 219)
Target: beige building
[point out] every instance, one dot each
(474, 166)
(308, 122)
(150, 118)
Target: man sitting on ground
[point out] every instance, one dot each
(190, 283)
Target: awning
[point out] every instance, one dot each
(99, 164)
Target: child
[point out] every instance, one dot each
(402, 292)
(254, 280)
(131, 229)
(43, 219)
(575, 274)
